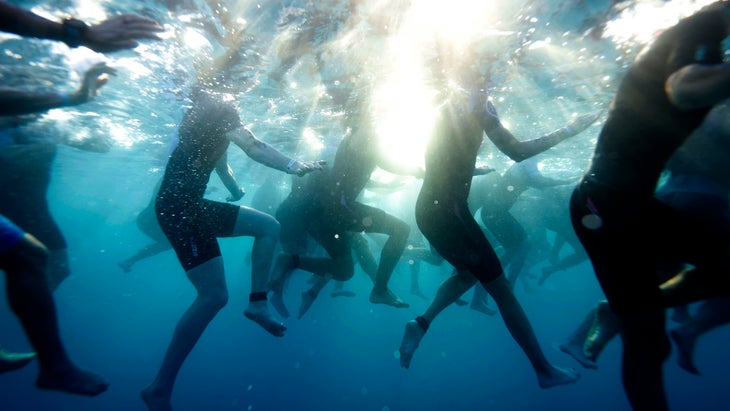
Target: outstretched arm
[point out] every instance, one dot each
(269, 156)
(15, 101)
(117, 33)
(519, 150)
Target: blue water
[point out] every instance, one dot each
(342, 354)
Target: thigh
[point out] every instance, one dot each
(254, 223)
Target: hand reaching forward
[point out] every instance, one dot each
(301, 168)
(120, 32)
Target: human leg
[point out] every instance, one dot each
(479, 301)
(209, 281)
(397, 232)
(519, 327)
(30, 299)
(143, 253)
(265, 230)
(449, 291)
(573, 346)
(710, 315)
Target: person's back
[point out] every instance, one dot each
(663, 98)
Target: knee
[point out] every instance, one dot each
(214, 300)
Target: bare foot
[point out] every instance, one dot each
(387, 298)
(73, 381)
(258, 312)
(411, 338)
(13, 361)
(557, 376)
(308, 298)
(685, 348)
(156, 401)
(576, 351)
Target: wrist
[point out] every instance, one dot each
(73, 31)
(66, 99)
(290, 165)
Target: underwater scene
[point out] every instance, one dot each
(311, 93)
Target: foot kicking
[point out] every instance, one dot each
(258, 312)
(411, 338)
(387, 298)
(557, 376)
(73, 381)
(13, 361)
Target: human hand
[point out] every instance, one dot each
(94, 78)
(583, 121)
(235, 197)
(120, 32)
(301, 168)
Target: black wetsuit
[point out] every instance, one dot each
(26, 163)
(442, 212)
(623, 227)
(190, 222)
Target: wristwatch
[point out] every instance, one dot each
(73, 31)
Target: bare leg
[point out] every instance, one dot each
(711, 314)
(310, 295)
(449, 291)
(30, 299)
(265, 231)
(146, 252)
(604, 328)
(574, 345)
(519, 326)
(391, 253)
(209, 281)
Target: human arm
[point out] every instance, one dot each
(519, 150)
(225, 173)
(116, 33)
(267, 155)
(482, 170)
(15, 101)
(698, 85)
